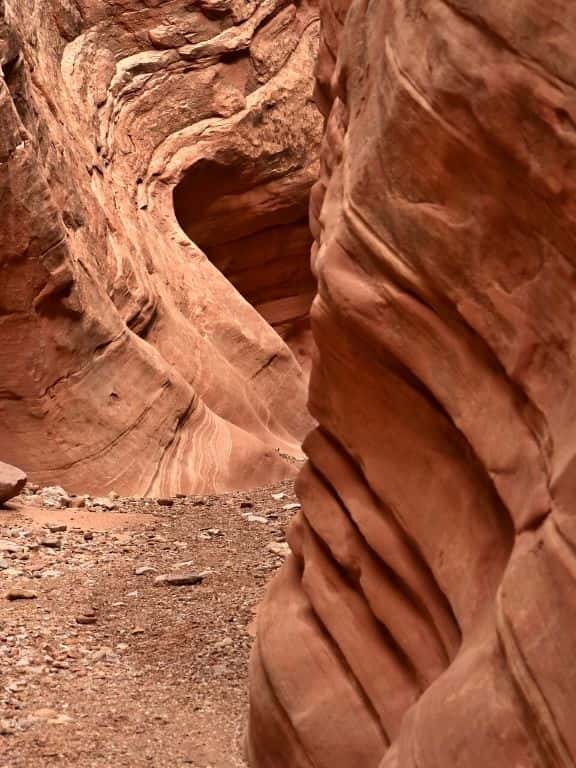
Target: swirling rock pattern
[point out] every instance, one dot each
(128, 360)
(426, 616)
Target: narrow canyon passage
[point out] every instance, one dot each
(379, 516)
(137, 342)
(251, 220)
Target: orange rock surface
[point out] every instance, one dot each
(129, 362)
(425, 618)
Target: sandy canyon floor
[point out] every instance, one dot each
(101, 665)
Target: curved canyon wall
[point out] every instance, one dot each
(129, 361)
(426, 616)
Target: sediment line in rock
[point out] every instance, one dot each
(443, 467)
(97, 122)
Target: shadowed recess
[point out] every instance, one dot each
(251, 220)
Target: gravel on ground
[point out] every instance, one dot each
(125, 627)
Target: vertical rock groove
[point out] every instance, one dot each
(440, 482)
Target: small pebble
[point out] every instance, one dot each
(21, 594)
(57, 527)
(51, 542)
(255, 519)
(179, 579)
(86, 619)
(279, 548)
(142, 570)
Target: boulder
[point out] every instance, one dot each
(12, 481)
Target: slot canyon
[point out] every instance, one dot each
(154, 358)
(288, 391)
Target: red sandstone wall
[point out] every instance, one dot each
(128, 361)
(425, 618)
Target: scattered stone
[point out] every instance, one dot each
(12, 573)
(12, 481)
(52, 542)
(86, 619)
(103, 502)
(57, 527)
(102, 654)
(142, 570)
(292, 507)
(279, 548)
(181, 496)
(56, 497)
(6, 728)
(50, 573)
(138, 631)
(79, 502)
(21, 594)
(88, 536)
(246, 505)
(279, 496)
(7, 545)
(255, 519)
(165, 502)
(209, 533)
(113, 495)
(179, 579)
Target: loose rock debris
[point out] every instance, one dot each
(125, 630)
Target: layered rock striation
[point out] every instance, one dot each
(425, 618)
(129, 360)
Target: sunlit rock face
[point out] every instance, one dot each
(426, 616)
(129, 359)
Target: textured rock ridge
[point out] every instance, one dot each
(426, 615)
(128, 360)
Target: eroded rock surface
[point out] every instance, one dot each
(426, 616)
(12, 480)
(128, 360)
